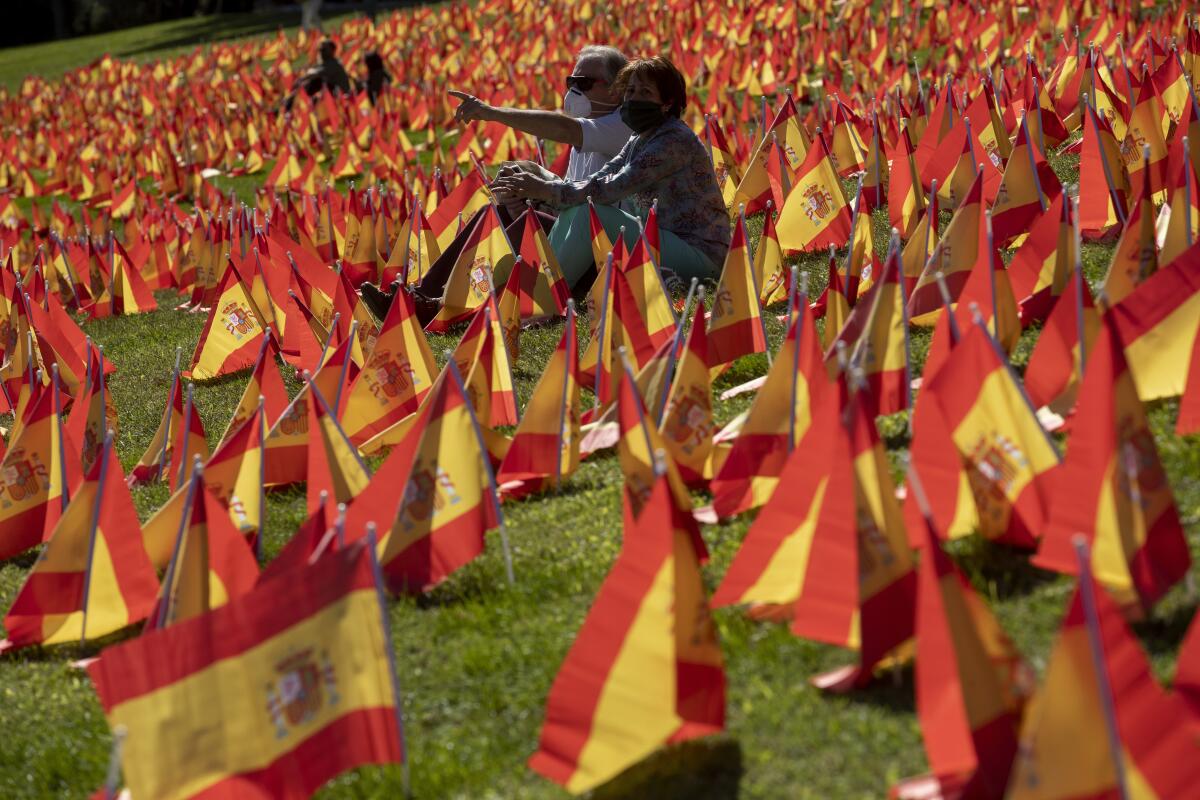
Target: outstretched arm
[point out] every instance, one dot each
(549, 125)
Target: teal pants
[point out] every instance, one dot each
(571, 240)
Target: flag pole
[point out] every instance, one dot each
(162, 457)
(567, 378)
(754, 281)
(1079, 326)
(163, 612)
(112, 778)
(87, 575)
(262, 477)
(65, 496)
(1037, 181)
(1087, 591)
(800, 309)
(491, 475)
(391, 657)
(601, 329)
(187, 425)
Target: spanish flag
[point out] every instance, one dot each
(646, 668)
(487, 369)
(93, 576)
(359, 255)
(38, 476)
(234, 475)
(1118, 493)
(210, 562)
(906, 195)
(1103, 182)
(735, 327)
(232, 334)
(189, 442)
(970, 681)
(1068, 736)
(776, 422)
(486, 257)
(771, 275)
(641, 453)
(1043, 264)
(470, 195)
(687, 423)
(961, 250)
(447, 501)
(92, 414)
(296, 673)
(397, 376)
(651, 299)
(881, 350)
(545, 446)
(1188, 421)
(265, 382)
(1055, 366)
(1157, 322)
(543, 290)
(1028, 187)
(815, 213)
(334, 467)
(1008, 458)
(1136, 255)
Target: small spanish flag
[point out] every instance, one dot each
(646, 668)
(815, 213)
(296, 673)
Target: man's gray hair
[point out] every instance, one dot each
(612, 59)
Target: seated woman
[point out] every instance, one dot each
(663, 161)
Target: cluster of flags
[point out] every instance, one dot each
(836, 550)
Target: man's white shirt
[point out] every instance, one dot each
(603, 138)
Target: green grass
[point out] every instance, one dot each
(476, 657)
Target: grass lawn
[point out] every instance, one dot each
(476, 657)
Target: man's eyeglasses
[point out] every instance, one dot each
(583, 83)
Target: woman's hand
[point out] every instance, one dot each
(521, 186)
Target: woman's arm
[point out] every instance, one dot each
(629, 173)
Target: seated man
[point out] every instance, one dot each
(329, 74)
(589, 122)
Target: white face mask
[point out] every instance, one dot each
(576, 104)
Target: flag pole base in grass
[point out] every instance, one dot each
(705, 515)
(927, 787)
(842, 680)
(752, 385)
(84, 663)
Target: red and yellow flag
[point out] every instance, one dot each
(815, 213)
(1158, 322)
(776, 422)
(93, 576)
(970, 681)
(646, 667)
(38, 475)
(1055, 366)
(232, 336)
(334, 467)
(397, 376)
(265, 382)
(1028, 187)
(1136, 255)
(211, 563)
(1067, 738)
(237, 670)
(486, 257)
(446, 503)
(545, 446)
(188, 442)
(1116, 491)
(962, 249)
(735, 326)
(234, 475)
(1043, 264)
(687, 424)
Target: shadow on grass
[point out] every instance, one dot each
(214, 28)
(998, 570)
(709, 767)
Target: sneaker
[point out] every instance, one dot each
(377, 300)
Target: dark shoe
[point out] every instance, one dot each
(427, 308)
(377, 300)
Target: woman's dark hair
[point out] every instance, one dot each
(373, 60)
(659, 70)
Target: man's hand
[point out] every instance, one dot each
(471, 108)
(521, 186)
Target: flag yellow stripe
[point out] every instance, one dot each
(636, 709)
(216, 722)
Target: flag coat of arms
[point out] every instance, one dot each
(270, 695)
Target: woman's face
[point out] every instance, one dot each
(639, 89)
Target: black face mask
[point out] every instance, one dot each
(642, 115)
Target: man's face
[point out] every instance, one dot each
(601, 91)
